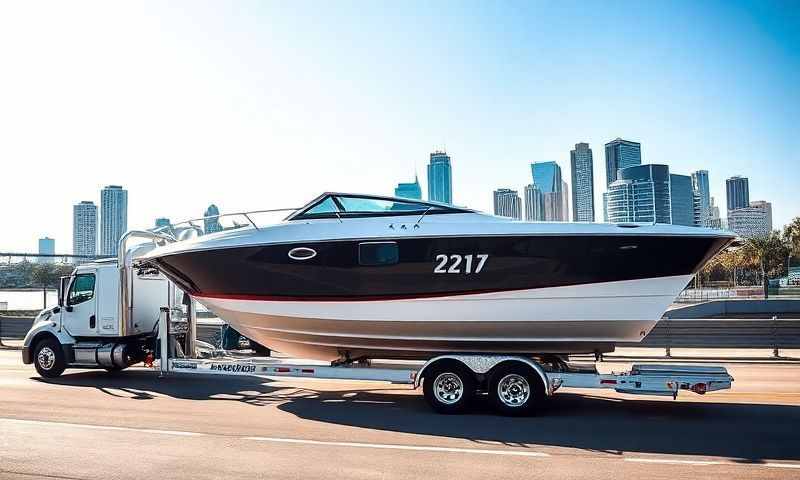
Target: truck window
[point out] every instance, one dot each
(82, 289)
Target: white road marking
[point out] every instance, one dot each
(385, 446)
(781, 465)
(101, 427)
(400, 447)
(675, 461)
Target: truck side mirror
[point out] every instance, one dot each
(62, 285)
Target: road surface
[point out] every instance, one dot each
(94, 425)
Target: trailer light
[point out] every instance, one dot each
(307, 370)
(282, 370)
(608, 382)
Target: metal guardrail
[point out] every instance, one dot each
(772, 333)
(723, 333)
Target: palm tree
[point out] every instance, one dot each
(41, 276)
(768, 252)
(791, 235)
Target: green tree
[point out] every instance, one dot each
(791, 235)
(768, 252)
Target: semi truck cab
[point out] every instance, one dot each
(106, 317)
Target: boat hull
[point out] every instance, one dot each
(572, 319)
(522, 293)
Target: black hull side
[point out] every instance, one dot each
(514, 263)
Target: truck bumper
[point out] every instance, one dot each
(26, 356)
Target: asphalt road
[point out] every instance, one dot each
(91, 424)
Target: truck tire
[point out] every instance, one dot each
(48, 357)
(449, 388)
(515, 389)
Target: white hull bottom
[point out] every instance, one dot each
(573, 319)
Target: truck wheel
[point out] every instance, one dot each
(49, 358)
(515, 390)
(449, 388)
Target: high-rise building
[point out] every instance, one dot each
(113, 218)
(640, 194)
(564, 201)
(621, 154)
(767, 207)
(683, 201)
(47, 246)
(409, 190)
(162, 222)
(714, 220)
(84, 229)
(750, 222)
(440, 178)
(700, 185)
(507, 203)
(211, 220)
(534, 204)
(547, 178)
(738, 192)
(582, 168)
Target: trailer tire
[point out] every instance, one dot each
(114, 369)
(449, 387)
(48, 357)
(515, 389)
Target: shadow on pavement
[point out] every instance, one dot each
(749, 432)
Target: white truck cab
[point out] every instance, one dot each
(107, 317)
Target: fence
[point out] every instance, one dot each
(668, 333)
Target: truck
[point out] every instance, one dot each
(118, 312)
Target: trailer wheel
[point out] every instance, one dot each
(114, 369)
(449, 388)
(515, 389)
(48, 357)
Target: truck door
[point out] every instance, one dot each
(79, 317)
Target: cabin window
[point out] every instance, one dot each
(372, 254)
(82, 289)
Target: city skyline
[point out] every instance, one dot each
(316, 99)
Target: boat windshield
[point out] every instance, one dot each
(343, 205)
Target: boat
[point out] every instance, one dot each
(350, 277)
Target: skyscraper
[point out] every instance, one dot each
(767, 207)
(564, 201)
(211, 220)
(750, 222)
(113, 218)
(682, 200)
(507, 203)
(84, 229)
(738, 192)
(640, 194)
(162, 222)
(409, 190)
(582, 168)
(700, 184)
(47, 246)
(547, 178)
(621, 154)
(440, 178)
(534, 204)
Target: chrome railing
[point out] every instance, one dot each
(177, 229)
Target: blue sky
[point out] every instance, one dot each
(257, 104)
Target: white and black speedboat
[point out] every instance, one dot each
(359, 276)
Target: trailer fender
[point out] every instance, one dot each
(482, 364)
